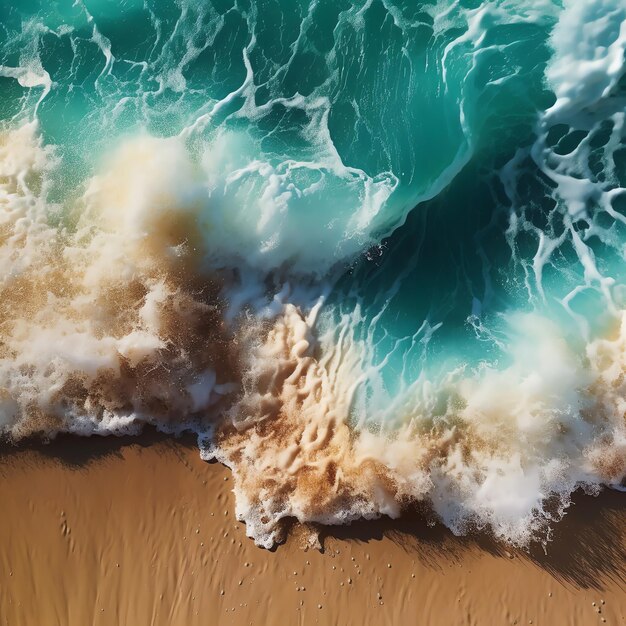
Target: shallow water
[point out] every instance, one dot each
(371, 252)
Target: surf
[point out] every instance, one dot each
(373, 260)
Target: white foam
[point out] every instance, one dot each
(589, 41)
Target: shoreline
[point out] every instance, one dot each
(140, 530)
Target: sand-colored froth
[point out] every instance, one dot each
(121, 531)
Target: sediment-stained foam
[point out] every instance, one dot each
(495, 448)
(105, 322)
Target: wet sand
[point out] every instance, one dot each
(141, 531)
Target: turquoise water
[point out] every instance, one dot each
(381, 241)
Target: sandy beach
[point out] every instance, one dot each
(141, 531)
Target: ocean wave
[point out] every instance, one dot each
(374, 260)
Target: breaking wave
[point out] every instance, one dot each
(371, 253)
